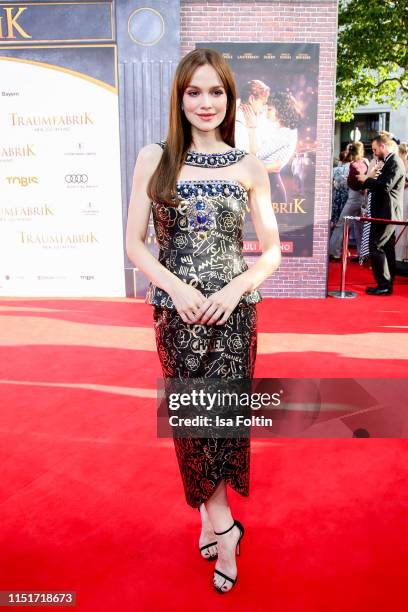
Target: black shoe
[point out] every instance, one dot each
(241, 528)
(379, 290)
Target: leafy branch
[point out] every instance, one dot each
(372, 54)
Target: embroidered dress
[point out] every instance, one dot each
(201, 242)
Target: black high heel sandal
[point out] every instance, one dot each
(237, 549)
(211, 557)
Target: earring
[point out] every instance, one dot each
(182, 107)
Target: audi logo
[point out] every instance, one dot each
(76, 178)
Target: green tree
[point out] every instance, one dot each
(372, 54)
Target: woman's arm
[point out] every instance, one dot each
(266, 227)
(241, 136)
(276, 152)
(224, 301)
(138, 220)
(186, 298)
(251, 126)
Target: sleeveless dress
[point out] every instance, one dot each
(201, 242)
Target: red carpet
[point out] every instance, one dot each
(91, 501)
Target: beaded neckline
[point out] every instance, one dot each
(214, 160)
(211, 160)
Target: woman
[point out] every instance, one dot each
(340, 189)
(355, 200)
(278, 139)
(197, 185)
(401, 246)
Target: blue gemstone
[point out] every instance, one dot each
(200, 206)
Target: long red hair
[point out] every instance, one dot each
(162, 185)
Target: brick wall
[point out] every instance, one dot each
(313, 21)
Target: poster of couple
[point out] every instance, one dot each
(276, 120)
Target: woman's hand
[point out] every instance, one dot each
(187, 300)
(375, 168)
(219, 305)
(249, 115)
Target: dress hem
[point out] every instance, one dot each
(243, 493)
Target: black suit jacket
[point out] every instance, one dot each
(387, 190)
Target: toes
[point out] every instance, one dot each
(223, 586)
(209, 553)
(219, 582)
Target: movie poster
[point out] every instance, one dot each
(276, 119)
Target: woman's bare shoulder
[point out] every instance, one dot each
(151, 152)
(148, 158)
(253, 169)
(251, 161)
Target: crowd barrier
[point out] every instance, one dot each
(342, 293)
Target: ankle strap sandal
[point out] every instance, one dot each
(232, 580)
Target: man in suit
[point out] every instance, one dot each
(387, 193)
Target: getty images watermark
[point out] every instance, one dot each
(219, 408)
(206, 401)
(275, 407)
